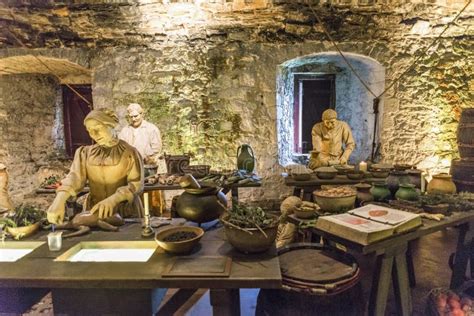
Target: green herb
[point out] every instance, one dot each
(23, 215)
(250, 217)
(460, 202)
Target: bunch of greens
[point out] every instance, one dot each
(250, 217)
(51, 180)
(460, 202)
(23, 215)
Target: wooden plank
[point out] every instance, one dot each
(401, 285)
(225, 302)
(380, 285)
(463, 255)
(176, 302)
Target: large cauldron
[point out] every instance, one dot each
(201, 205)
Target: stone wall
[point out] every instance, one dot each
(213, 87)
(27, 107)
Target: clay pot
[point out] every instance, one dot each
(250, 243)
(380, 191)
(415, 177)
(396, 178)
(363, 194)
(201, 205)
(407, 192)
(441, 183)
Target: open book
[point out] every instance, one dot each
(369, 223)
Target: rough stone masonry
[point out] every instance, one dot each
(198, 65)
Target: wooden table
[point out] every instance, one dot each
(391, 259)
(134, 287)
(304, 189)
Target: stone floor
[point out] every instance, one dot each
(430, 255)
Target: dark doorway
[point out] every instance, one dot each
(313, 95)
(75, 110)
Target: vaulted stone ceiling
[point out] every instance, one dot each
(99, 23)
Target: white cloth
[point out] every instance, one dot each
(146, 138)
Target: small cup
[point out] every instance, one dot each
(55, 241)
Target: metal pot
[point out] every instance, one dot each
(201, 205)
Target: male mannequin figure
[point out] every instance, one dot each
(142, 135)
(332, 141)
(146, 138)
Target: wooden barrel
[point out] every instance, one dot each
(462, 172)
(465, 134)
(315, 280)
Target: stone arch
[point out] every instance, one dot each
(67, 71)
(353, 102)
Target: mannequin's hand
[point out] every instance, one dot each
(105, 208)
(312, 164)
(343, 160)
(56, 212)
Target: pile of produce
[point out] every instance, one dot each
(51, 182)
(244, 217)
(227, 179)
(163, 179)
(443, 302)
(341, 191)
(460, 202)
(23, 215)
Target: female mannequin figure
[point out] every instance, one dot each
(112, 168)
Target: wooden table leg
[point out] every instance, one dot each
(380, 285)
(463, 255)
(176, 301)
(225, 302)
(401, 285)
(410, 266)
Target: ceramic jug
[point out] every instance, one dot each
(245, 158)
(396, 178)
(363, 194)
(380, 191)
(407, 192)
(441, 183)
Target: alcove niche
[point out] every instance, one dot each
(352, 101)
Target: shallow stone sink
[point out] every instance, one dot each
(110, 251)
(11, 251)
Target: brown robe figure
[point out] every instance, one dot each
(5, 201)
(112, 168)
(332, 141)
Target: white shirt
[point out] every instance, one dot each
(146, 138)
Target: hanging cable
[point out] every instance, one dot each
(46, 66)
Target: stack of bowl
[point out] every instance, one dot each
(326, 172)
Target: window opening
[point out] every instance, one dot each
(75, 110)
(314, 93)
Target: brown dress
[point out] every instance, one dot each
(116, 170)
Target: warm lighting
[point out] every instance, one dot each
(363, 166)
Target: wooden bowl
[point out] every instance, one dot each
(304, 214)
(380, 173)
(178, 247)
(355, 175)
(301, 176)
(23, 231)
(334, 204)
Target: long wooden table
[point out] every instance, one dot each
(391, 259)
(134, 287)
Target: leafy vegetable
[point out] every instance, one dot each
(23, 215)
(460, 202)
(250, 217)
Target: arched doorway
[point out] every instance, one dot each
(351, 99)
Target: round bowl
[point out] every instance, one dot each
(380, 173)
(301, 176)
(437, 208)
(178, 247)
(23, 231)
(355, 175)
(343, 169)
(304, 214)
(381, 166)
(250, 243)
(334, 204)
